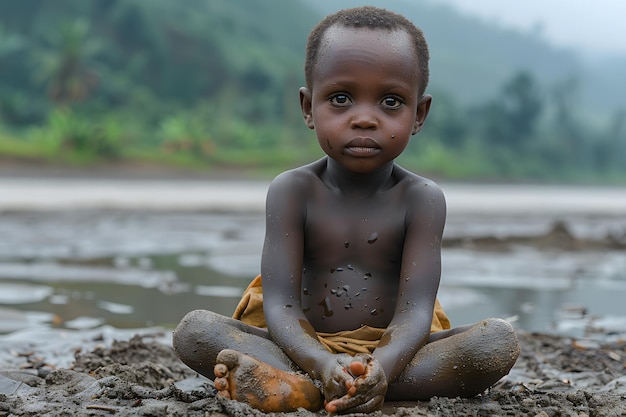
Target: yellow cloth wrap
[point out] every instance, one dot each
(362, 340)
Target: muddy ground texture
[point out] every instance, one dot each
(554, 376)
(141, 376)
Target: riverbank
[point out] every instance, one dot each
(65, 193)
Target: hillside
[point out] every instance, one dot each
(199, 83)
(196, 47)
(182, 50)
(471, 58)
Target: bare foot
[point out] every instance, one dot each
(243, 378)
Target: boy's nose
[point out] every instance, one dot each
(364, 117)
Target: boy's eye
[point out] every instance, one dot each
(392, 102)
(340, 100)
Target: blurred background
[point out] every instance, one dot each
(522, 92)
(137, 138)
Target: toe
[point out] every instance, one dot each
(220, 370)
(221, 384)
(228, 357)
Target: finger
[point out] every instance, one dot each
(370, 383)
(345, 402)
(372, 373)
(334, 389)
(373, 404)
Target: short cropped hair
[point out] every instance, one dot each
(368, 17)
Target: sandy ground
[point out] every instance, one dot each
(141, 376)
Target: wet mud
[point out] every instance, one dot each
(558, 236)
(52, 370)
(554, 376)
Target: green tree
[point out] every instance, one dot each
(511, 120)
(566, 129)
(66, 64)
(447, 122)
(612, 151)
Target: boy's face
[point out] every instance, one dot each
(363, 100)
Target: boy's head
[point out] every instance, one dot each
(368, 17)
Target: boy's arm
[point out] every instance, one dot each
(281, 269)
(419, 280)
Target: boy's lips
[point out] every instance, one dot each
(362, 147)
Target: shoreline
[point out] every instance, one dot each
(197, 194)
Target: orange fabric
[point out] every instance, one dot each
(250, 307)
(362, 340)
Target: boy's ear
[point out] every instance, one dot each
(423, 107)
(307, 107)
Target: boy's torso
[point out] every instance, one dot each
(352, 256)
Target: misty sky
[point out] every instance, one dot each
(595, 27)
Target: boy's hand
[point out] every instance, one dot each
(336, 377)
(365, 386)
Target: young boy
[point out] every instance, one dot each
(351, 260)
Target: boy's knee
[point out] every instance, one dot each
(502, 337)
(498, 326)
(190, 320)
(190, 328)
(501, 330)
(193, 318)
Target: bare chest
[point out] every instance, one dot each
(340, 230)
(352, 261)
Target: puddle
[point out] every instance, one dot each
(128, 269)
(11, 293)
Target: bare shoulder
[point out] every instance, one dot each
(294, 183)
(422, 194)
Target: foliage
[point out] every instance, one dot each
(207, 84)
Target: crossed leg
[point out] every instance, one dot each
(462, 362)
(244, 363)
(247, 366)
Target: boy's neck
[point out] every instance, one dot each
(357, 184)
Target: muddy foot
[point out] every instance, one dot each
(243, 378)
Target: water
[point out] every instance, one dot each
(133, 268)
(129, 269)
